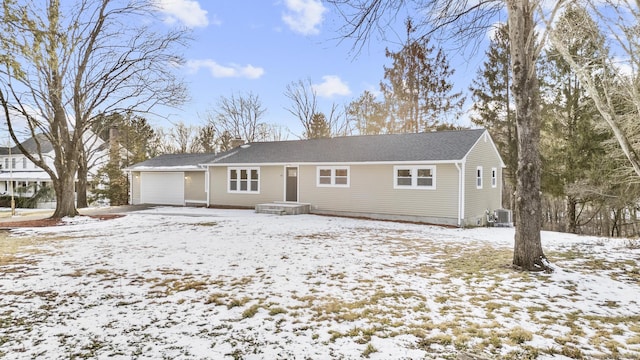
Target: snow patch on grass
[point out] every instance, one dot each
(204, 283)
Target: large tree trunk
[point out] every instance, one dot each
(82, 186)
(572, 221)
(65, 199)
(527, 254)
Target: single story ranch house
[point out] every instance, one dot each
(443, 177)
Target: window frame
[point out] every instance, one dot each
(333, 176)
(479, 175)
(239, 180)
(494, 177)
(414, 170)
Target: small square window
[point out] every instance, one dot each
(404, 177)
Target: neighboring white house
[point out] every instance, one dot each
(21, 177)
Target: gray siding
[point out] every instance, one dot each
(194, 186)
(135, 187)
(478, 201)
(271, 187)
(372, 192)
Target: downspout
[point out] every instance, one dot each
(130, 180)
(206, 185)
(460, 167)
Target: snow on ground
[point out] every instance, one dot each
(211, 284)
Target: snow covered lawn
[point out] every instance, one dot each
(212, 284)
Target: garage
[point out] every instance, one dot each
(165, 188)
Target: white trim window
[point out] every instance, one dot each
(333, 176)
(479, 177)
(243, 180)
(414, 177)
(494, 177)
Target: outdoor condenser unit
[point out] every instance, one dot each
(502, 217)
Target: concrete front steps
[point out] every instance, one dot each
(283, 208)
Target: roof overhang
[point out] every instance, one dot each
(407, 162)
(165, 168)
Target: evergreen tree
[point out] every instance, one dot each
(224, 141)
(492, 104)
(369, 115)
(572, 147)
(131, 141)
(206, 139)
(319, 127)
(112, 184)
(417, 91)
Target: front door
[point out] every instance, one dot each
(292, 184)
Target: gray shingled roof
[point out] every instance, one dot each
(175, 160)
(30, 145)
(430, 146)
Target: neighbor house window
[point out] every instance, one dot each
(6, 163)
(24, 163)
(479, 177)
(494, 177)
(244, 180)
(13, 163)
(414, 177)
(333, 176)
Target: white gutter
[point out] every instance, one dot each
(341, 163)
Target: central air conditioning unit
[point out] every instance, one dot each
(502, 217)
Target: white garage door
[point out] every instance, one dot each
(166, 188)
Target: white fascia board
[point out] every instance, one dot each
(353, 163)
(165, 168)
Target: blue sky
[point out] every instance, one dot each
(246, 46)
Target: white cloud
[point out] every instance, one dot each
(332, 85)
(491, 32)
(228, 71)
(304, 16)
(187, 12)
(624, 66)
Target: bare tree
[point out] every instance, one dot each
(304, 106)
(612, 82)
(304, 102)
(92, 153)
(275, 132)
(464, 21)
(184, 138)
(240, 116)
(69, 62)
